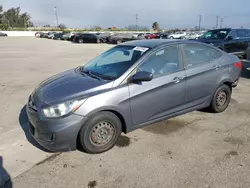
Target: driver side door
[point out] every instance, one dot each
(165, 94)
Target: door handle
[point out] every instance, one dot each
(177, 80)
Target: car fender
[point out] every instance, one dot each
(122, 115)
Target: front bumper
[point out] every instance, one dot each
(55, 134)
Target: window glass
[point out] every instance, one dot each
(197, 54)
(163, 61)
(215, 34)
(115, 61)
(242, 33)
(233, 34)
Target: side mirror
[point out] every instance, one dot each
(142, 76)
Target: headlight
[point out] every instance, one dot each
(62, 109)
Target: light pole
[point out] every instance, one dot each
(217, 21)
(136, 20)
(221, 22)
(55, 9)
(200, 17)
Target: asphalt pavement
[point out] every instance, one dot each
(198, 149)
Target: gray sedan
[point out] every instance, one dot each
(129, 86)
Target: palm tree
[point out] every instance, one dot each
(155, 26)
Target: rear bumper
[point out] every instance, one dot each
(55, 134)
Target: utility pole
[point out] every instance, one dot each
(217, 21)
(221, 22)
(200, 18)
(136, 20)
(55, 9)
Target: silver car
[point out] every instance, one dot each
(129, 86)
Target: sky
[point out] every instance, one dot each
(121, 13)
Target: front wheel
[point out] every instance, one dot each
(100, 133)
(221, 99)
(171, 37)
(80, 41)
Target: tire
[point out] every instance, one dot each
(80, 41)
(102, 124)
(171, 37)
(218, 103)
(184, 38)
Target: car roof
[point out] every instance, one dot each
(152, 43)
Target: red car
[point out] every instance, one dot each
(151, 36)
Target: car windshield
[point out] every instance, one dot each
(114, 62)
(215, 34)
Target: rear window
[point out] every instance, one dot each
(197, 54)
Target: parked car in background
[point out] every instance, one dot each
(3, 34)
(58, 36)
(86, 38)
(120, 38)
(129, 86)
(103, 37)
(191, 35)
(73, 35)
(50, 35)
(38, 34)
(66, 36)
(162, 35)
(177, 35)
(151, 36)
(141, 36)
(234, 41)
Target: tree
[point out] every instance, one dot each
(155, 26)
(62, 26)
(47, 25)
(13, 17)
(1, 13)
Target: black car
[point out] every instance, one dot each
(234, 41)
(162, 35)
(3, 34)
(86, 38)
(120, 38)
(58, 36)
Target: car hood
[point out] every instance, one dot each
(66, 86)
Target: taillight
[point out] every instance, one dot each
(238, 64)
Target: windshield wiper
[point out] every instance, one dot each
(88, 72)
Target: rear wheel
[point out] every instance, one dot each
(221, 99)
(171, 37)
(100, 133)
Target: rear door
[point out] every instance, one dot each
(244, 37)
(165, 93)
(231, 45)
(204, 69)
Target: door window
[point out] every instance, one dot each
(163, 61)
(197, 54)
(233, 34)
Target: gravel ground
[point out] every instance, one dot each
(194, 150)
